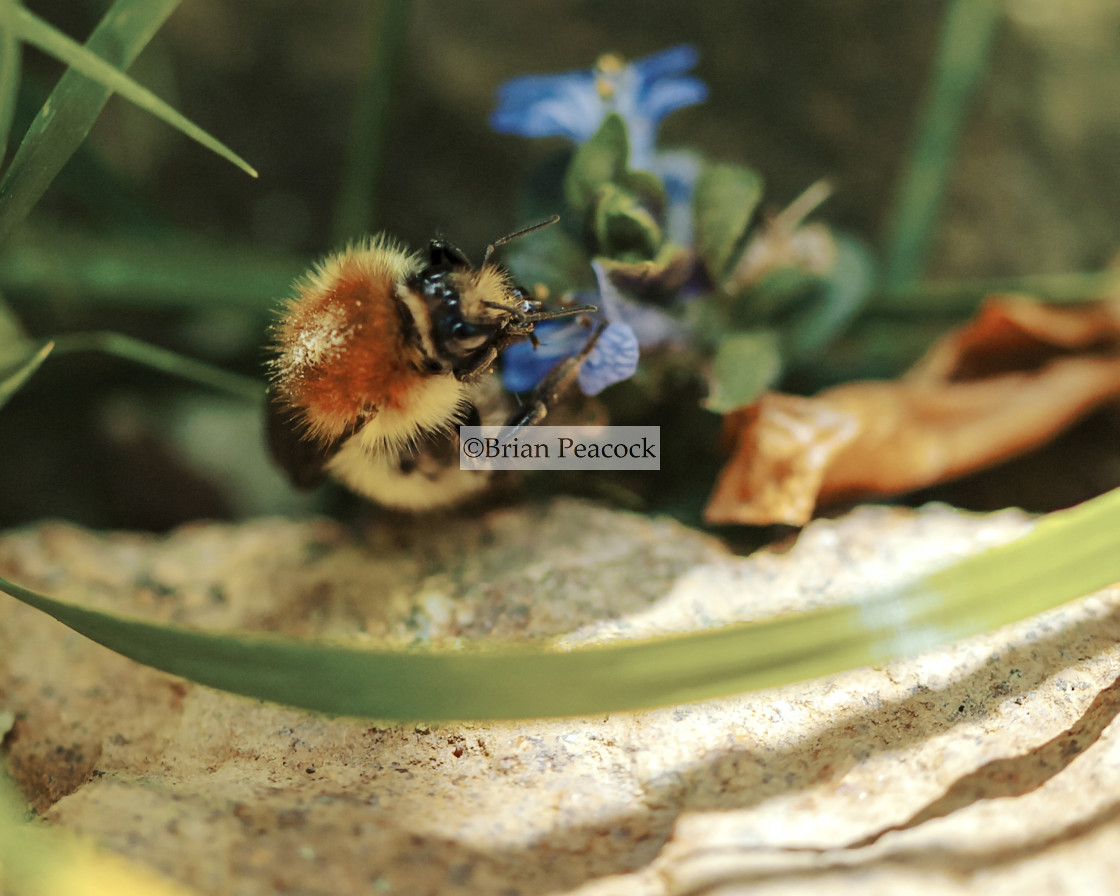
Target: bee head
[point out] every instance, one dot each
(465, 309)
(472, 314)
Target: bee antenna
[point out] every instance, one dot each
(547, 222)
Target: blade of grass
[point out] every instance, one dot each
(365, 146)
(9, 72)
(13, 338)
(50, 40)
(12, 380)
(1068, 554)
(36, 859)
(962, 297)
(962, 55)
(180, 272)
(164, 360)
(73, 106)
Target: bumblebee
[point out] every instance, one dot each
(381, 354)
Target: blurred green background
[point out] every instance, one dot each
(147, 234)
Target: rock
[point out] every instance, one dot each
(979, 766)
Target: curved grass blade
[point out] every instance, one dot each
(127, 348)
(1066, 555)
(179, 272)
(73, 106)
(365, 144)
(14, 341)
(963, 297)
(139, 352)
(48, 39)
(962, 56)
(12, 380)
(9, 72)
(36, 859)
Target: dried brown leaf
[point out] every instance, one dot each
(1000, 385)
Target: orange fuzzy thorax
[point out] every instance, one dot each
(342, 353)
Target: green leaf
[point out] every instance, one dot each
(744, 366)
(648, 190)
(73, 106)
(601, 160)
(553, 258)
(13, 378)
(623, 227)
(723, 203)
(836, 302)
(772, 300)
(1066, 555)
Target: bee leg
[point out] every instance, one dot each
(478, 366)
(550, 390)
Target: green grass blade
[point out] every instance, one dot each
(164, 360)
(48, 39)
(962, 56)
(1066, 555)
(73, 106)
(138, 352)
(9, 72)
(14, 341)
(24, 851)
(964, 296)
(120, 272)
(355, 209)
(12, 380)
(38, 859)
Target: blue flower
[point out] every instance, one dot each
(614, 358)
(574, 104)
(523, 366)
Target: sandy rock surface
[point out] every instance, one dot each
(988, 766)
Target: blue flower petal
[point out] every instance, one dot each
(524, 366)
(574, 104)
(566, 105)
(613, 359)
(659, 98)
(651, 326)
(679, 170)
(673, 61)
(609, 298)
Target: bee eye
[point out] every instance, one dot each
(462, 336)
